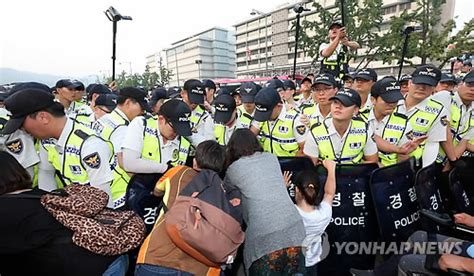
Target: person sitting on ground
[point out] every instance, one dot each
(32, 241)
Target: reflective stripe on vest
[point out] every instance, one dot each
(455, 124)
(151, 144)
(392, 133)
(421, 122)
(244, 117)
(353, 147)
(107, 130)
(72, 170)
(280, 140)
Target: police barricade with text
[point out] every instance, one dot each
(427, 184)
(353, 220)
(295, 165)
(140, 198)
(395, 201)
(463, 203)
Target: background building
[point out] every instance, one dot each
(265, 43)
(206, 55)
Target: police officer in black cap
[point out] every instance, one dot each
(247, 90)
(447, 82)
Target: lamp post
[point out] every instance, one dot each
(114, 16)
(254, 12)
(199, 62)
(298, 9)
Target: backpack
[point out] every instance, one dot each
(103, 231)
(203, 223)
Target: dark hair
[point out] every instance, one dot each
(56, 110)
(122, 98)
(14, 176)
(242, 143)
(210, 155)
(308, 184)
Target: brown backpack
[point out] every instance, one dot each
(202, 222)
(103, 231)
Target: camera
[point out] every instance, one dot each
(113, 15)
(298, 8)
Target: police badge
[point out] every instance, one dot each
(15, 146)
(92, 160)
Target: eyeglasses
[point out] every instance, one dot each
(322, 90)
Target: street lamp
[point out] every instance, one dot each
(114, 16)
(298, 8)
(199, 62)
(257, 12)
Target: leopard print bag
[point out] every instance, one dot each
(104, 231)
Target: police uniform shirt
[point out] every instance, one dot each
(204, 130)
(119, 131)
(301, 102)
(300, 137)
(437, 132)
(21, 145)
(334, 55)
(435, 135)
(367, 106)
(99, 176)
(78, 108)
(317, 116)
(446, 98)
(379, 126)
(337, 141)
(133, 145)
(229, 130)
(240, 112)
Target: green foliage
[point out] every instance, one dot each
(147, 80)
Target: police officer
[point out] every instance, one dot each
(404, 79)
(19, 143)
(447, 82)
(460, 115)
(342, 138)
(158, 97)
(364, 79)
(323, 88)
(69, 149)
(104, 104)
(131, 102)
(247, 90)
(390, 128)
(201, 121)
(305, 93)
(289, 89)
(334, 61)
(427, 116)
(347, 80)
(279, 130)
(66, 93)
(210, 88)
(153, 143)
(226, 120)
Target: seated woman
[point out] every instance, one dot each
(275, 231)
(32, 242)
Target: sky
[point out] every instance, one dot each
(74, 38)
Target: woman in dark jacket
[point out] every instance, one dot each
(32, 242)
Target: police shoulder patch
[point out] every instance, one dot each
(15, 146)
(301, 129)
(92, 160)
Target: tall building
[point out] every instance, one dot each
(206, 55)
(265, 43)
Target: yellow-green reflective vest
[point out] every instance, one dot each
(72, 170)
(244, 117)
(393, 133)
(353, 147)
(280, 139)
(105, 130)
(151, 144)
(455, 127)
(421, 122)
(197, 117)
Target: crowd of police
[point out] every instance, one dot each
(101, 136)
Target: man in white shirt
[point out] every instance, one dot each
(226, 119)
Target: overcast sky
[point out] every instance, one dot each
(74, 38)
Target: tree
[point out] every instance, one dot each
(362, 23)
(148, 80)
(431, 44)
